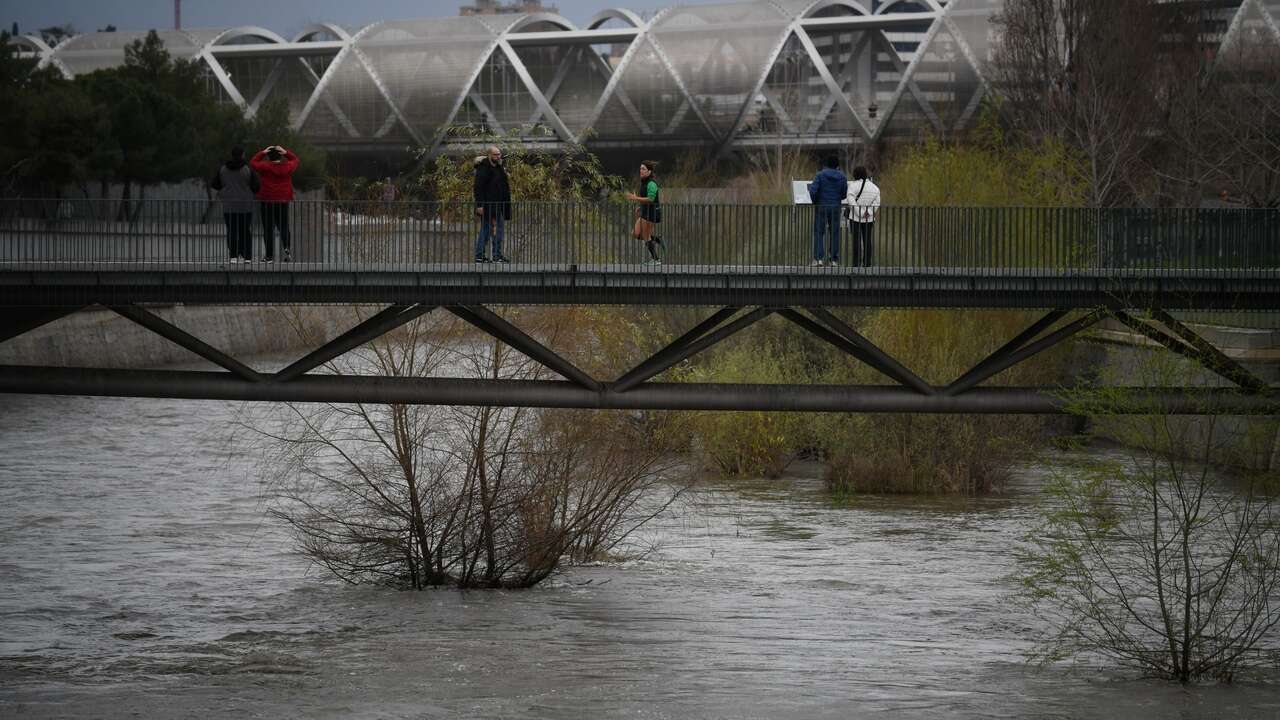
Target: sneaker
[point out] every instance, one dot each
(816, 263)
(268, 260)
(833, 262)
(288, 256)
(501, 259)
(236, 260)
(653, 261)
(482, 259)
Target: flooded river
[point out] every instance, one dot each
(141, 577)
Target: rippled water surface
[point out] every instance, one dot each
(140, 577)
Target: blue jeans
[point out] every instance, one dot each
(826, 217)
(488, 229)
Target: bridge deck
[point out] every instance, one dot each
(60, 283)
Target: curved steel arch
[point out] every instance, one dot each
(333, 29)
(820, 5)
(884, 9)
(35, 42)
(205, 54)
(541, 17)
(235, 33)
(622, 14)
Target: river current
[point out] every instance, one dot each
(141, 577)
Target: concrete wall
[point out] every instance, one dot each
(101, 338)
(1120, 355)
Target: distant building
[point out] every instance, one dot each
(495, 7)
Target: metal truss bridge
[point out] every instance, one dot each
(731, 75)
(743, 263)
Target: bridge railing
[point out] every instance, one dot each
(119, 234)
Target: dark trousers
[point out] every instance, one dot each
(274, 216)
(239, 234)
(826, 218)
(863, 243)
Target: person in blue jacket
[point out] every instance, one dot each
(827, 191)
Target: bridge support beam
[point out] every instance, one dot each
(650, 396)
(490, 322)
(22, 320)
(372, 328)
(187, 341)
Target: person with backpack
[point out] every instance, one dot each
(649, 212)
(863, 204)
(827, 191)
(275, 166)
(237, 184)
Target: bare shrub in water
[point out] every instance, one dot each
(1154, 558)
(478, 497)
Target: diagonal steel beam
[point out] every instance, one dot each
(570, 60)
(677, 345)
(1194, 348)
(1013, 345)
(849, 347)
(879, 359)
(220, 74)
(1013, 358)
(615, 78)
(22, 320)
(833, 87)
(493, 324)
(548, 113)
(907, 82)
(1219, 359)
(370, 329)
(756, 89)
(694, 348)
(186, 340)
(846, 76)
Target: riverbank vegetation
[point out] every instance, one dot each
(1164, 555)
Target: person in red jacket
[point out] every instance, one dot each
(275, 167)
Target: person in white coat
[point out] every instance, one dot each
(862, 204)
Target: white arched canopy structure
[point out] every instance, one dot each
(733, 74)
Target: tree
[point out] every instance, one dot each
(1080, 71)
(1158, 557)
(488, 497)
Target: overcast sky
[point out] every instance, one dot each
(284, 16)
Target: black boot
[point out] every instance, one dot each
(652, 247)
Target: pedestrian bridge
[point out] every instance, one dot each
(1078, 266)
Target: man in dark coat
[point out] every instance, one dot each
(493, 204)
(827, 191)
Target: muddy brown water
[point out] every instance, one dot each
(141, 577)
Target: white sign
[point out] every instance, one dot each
(800, 192)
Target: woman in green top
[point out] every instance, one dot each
(650, 211)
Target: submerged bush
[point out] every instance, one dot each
(749, 444)
(968, 454)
